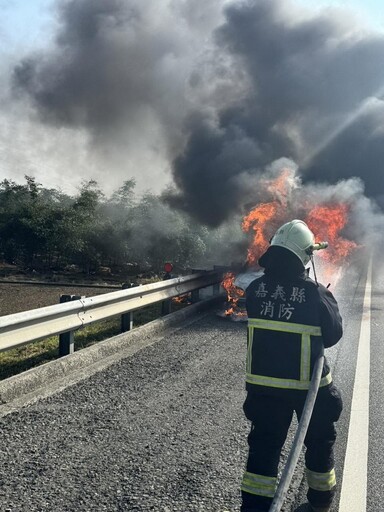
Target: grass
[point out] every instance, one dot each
(15, 361)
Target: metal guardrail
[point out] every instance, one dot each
(298, 440)
(27, 326)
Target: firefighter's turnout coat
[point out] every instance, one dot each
(291, 319)
(290, 322)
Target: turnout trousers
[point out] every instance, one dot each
(271, 415)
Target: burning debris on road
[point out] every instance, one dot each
(234, 305)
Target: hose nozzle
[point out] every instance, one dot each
(319, 245)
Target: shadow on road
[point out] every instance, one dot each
(302, 508)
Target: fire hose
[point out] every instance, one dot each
(298, 440)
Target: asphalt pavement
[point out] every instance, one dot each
(343, 357)
(163, 428)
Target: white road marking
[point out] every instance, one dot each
(354, 487)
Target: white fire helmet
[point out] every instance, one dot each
(297, 238)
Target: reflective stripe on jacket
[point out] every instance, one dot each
(291, 320)
(305, 333)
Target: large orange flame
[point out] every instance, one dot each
(264, 219)
(325, 220)
(257, 220)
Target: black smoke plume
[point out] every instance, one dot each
(229, 88)
(314, 95)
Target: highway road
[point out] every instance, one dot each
(164, 430)
(357, 367)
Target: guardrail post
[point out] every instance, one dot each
(67, 339)
(195, 294)
(127, 318)
(166, 305)
(216, 287)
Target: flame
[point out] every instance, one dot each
(264, 219)
(182, 299)
(325, 220)
(233, 294)
(257, 220)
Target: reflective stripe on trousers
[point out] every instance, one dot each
(258, 484)
(321, 481)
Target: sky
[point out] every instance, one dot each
(370, 12)
(201, 95)
(24, 24)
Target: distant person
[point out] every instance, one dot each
(291, 318)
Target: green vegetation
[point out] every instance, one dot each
(45, 229)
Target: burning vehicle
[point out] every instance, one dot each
(326, 219)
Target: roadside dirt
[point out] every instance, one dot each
(23, 291)
(23, 297)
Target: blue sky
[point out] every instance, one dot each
(371, 10)
(25, 23)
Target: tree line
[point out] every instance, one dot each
(46, 229)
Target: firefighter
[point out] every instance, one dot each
(291, 319)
